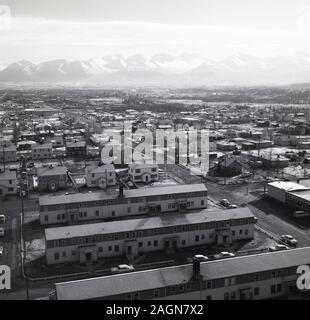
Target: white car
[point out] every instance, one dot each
(200, 257)
(1, 251)
(289, 240)
(2, 218)
(278, 247)
(123, 268)
(224, 254)
(1, 232)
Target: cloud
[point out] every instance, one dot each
(40, 39)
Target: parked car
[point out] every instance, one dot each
(1, 232)
(225, 203)
(224, 254)
(199, 257)
(301, 214)
(2, 219)
(1, 251)
(278, 247)
(122, 268)
(289, 240)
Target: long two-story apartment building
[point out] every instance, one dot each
(77, 207)
(260, 276)
(89, 242)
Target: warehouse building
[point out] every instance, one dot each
(89, 242)
(257, 277)
(101, 205)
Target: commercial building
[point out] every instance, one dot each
(293, 194)
(143, 172)
(100, 177)
(125, 203)
(8, 183)
(52, 178)
(89, 242)
(257, 277)
(42, 151)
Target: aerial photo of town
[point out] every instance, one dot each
(151, 175)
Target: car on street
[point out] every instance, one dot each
(300, 214)
(289, 240)
(278, 247)
(1, 232)
(1, 251)
(122, 268)
(224, 254)
(199, 257)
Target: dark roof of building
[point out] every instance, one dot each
(132, 193)
(165, 220)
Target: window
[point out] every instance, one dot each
(208, 297)
(46, 218)
(202, 202)
(233, 295)
(279, 287)
(273, 288)
(233, 233)
(97, 213)
(246, 232)
(100, 249)
(256, 291)
(197, 238)
(209, 284)
(226, 296)
(156, 293)
(183, 242)
(56, 256)
(155, 243)
(128, 209)
(110, 248)
(113, 213)
(63, 216)
(240, 231)
(149, 243)
(64, 254)
(116, 248)
(58, 216)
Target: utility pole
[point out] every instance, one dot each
(23, 168)
(3, 153)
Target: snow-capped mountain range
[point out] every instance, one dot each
(162, 69)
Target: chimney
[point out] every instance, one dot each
(196, 269)
(121, 191)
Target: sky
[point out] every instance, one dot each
(40, 30)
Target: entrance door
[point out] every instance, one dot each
(88, 257)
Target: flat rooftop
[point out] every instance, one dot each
(132, 193)
(158, 278)
(165, 220)
(288, 186)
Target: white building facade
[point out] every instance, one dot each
(100, 177)
(143, 172)
(89, 242)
